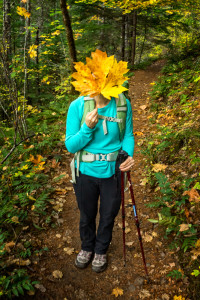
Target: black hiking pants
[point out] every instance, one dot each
(88, 190)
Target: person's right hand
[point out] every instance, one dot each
(91, 118)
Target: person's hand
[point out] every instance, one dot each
(127, 164)
(91, 118)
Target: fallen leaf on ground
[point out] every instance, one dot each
(57, 274)
(144, 294)
(148, 238)
(8, 246)
(54, 163)
(162, 272)
(193, 195)
(60, 191)
(143, 107)
(137, 255)
(165, 297)
(69, 188)
(172, 265)
(158, 167)
(154, 234)
(196, 253)
(127, 230)
(58, 235)
(40, 287)
(120, 224)
(15, 219)
(143, 181)
(57, 207)
(138, 133)
(69, 251)
(67, 239)
(178, 298)
(197, 245)
(117, 292)
(159, 244)
(184, 227)
(129, 243)
(30, 293)
(19, 262)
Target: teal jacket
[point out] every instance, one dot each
(94, 141)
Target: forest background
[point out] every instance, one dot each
(40, 40)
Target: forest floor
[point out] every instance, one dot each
(63, 241)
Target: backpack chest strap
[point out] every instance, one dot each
(110, 119)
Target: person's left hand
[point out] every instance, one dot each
(127, 164)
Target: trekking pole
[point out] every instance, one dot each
(137, 221)
(122, 156)
(123, 216)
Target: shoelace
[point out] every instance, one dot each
(85, 253)
(99, 257)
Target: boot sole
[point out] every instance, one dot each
(82, 265)
(99, 269)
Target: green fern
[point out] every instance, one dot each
(175, 274)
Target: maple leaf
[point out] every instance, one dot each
(57, 274)
(100, 75)
(143, 107)
(148, 238)
(178, 298)
(144, 294)
(138, 133)
(69, 251)
(117, 292)
(193, 195)
(158, 167)
(37, 160)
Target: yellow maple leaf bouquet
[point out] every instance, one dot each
(100, 75)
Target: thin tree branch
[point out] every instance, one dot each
(15, 146)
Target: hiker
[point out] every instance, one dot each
(99, 124)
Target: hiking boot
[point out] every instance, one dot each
(99, 263)
(83, 259)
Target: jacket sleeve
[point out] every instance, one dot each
(77, 137)
(128, 140)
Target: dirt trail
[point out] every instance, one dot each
(85, 284)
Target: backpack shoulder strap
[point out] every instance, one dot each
(121, 113)
(89, 105)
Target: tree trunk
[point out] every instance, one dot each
(7, 28)
(28, 43)
(134, 34)
(37, 43)
(129, 36)
(123, 37)
(70, 38)
(145, 34)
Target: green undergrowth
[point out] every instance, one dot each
(25, 195)
(173, 160)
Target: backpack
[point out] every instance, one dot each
(89, 105)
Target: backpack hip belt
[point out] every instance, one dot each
(85, 156)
